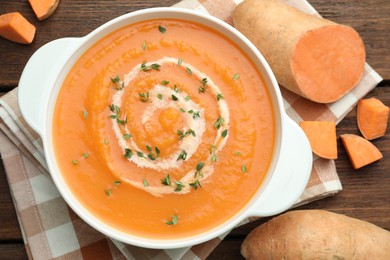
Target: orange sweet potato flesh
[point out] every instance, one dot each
(43, 8)
(372, 117)
(311, 56)
(361, 152)
(14, 27)
(322, 138)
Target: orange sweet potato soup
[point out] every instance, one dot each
(164, 129)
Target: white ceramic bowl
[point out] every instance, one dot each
(41, 81)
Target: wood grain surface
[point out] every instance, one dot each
(366, 192)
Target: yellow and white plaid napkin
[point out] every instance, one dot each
(50, 228)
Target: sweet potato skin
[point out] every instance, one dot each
(316, 234)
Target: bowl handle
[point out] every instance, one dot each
(38, 77)
(291, 173)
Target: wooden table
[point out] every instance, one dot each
(366, 192)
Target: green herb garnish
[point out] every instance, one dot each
(85, 155)
(126, 136)
(179, 186)
(179, 61)
(159, 96)
(189, 71)
(162, 29)
(108, 192)
(164, 82)
(182, 155)
(144, 97)
(146, 183)
(117, 182)
(144, 45)
(224, 133)
(154, 66)
(196, 114)
(117, 113)
(106, 141)
(166, 181)
(174, 220)
(202, 88)
(116, 81)
(174, 98)
(187, 98)
(236, 76)
(244, 169)
(85, 114)
(128, 153)
(196, 184)
(199, 167)
(187, 133)
(140, 154)
(213, 149)
(176, 89)
(220, 121)
(219, 96)
(75, 162)
(153, 155)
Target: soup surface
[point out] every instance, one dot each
(164, 129)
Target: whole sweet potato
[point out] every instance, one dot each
(316, 234)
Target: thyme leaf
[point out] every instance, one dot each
(174, 220)
(166, 181)
(162, 29)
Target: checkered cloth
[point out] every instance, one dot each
(50, 228)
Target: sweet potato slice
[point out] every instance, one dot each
(322, 138)
(313, 57)
(14, 27)
(44, 8)
(372, 117)
(360, 151)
